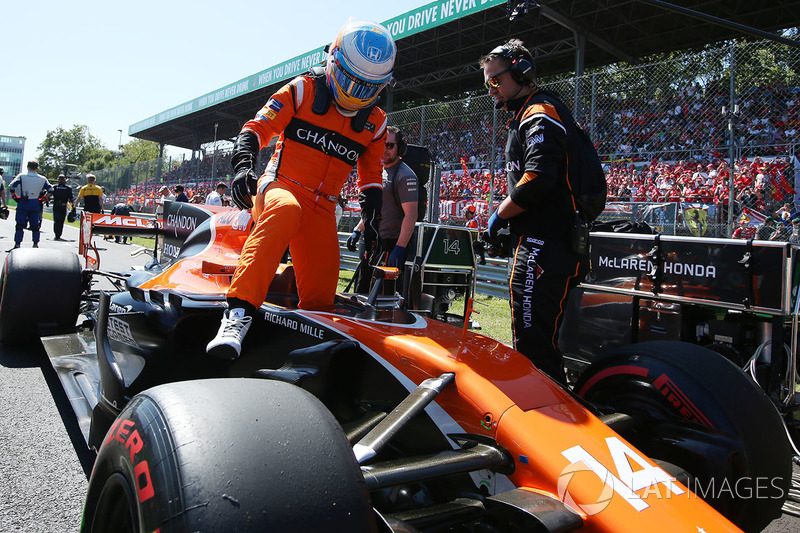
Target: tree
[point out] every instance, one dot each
(138, 150)
(77, 146)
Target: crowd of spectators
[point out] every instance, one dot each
(660, 149)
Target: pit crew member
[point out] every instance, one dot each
(539, 210)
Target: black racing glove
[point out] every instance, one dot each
(243, 161)
(352, 240)
(243, 188)
(371, 201)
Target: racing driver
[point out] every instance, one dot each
(327, 121)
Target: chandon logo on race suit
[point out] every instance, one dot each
(328, 142)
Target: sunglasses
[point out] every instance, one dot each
(391, 146)
(494, 81)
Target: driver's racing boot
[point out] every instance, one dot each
(228, 342)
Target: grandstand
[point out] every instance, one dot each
(440, 42)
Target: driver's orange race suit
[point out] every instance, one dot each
(296, 198)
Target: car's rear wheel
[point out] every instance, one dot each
(697, 410)
(227, 455)
(40, 290)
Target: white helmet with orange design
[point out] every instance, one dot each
(360, 63)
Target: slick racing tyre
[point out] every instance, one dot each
(695, 409)
(226, 455)
(41, 290)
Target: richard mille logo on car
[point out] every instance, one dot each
(287, 322)
(645, 265)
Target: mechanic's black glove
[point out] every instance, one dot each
(371, 201)
(245, 152)
(352, 240)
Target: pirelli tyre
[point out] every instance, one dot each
(695, 409)
(40, 291)
(226, 455)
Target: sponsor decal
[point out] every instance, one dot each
(535, 139)
(122, 221)
(170, 250)
(274, 104)
(181, 222)
(116, 308)
(679, 400)
(329, 142)
(285, 321)
(512, 166)
(532, 273)
(370, 127)
(645, 265)
(267, 115)
(125, 433)
(120, 331)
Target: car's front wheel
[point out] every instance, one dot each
(697, 410)
(226, 455)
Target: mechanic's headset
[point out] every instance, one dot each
(522, 69)
(402, 145)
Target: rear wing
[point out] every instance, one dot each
(98, 223)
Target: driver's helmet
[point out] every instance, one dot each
(360, 63)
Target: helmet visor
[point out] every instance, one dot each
(352, 85)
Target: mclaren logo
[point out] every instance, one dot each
(121, 221)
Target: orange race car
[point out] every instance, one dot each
(376, 416)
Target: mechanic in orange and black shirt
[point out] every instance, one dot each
(92, 195)
(327, 122)
(547, 262)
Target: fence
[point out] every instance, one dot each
(723, 105)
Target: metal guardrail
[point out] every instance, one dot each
(492, 278)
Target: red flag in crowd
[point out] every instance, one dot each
(464, 166)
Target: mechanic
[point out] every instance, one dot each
(215, 198)
(539, 210)
(327, 121)
(62, 195)
(29, 190)
(398, 211)
(123, 209)
(92, 195)
(181, 196)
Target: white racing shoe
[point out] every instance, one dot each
(228, 342)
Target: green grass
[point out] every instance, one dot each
(492, 314)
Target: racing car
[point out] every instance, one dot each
(374, 416)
